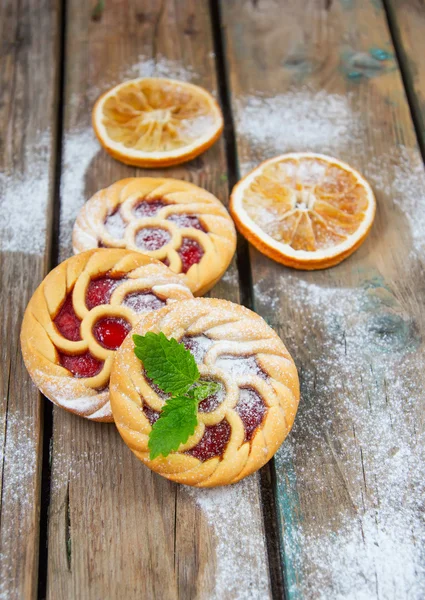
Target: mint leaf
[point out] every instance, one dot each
(176, 423)
(166, 362)
(203, 390)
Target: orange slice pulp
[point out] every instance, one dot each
(153, 122)
(304, 210)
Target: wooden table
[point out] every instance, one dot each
(338, 513)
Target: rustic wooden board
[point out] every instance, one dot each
(407, 19)
(115, 528)
(321, 76)
(28, 104)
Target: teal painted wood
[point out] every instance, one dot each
(288, 517)
(349, 480)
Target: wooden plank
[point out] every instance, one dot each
(407, 20)
(28, 86)
(350, 479)
(115, 528)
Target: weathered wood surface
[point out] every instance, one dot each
(28, 86)
(115, 528)
(407, 18)
(321, 76)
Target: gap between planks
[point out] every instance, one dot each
(53, 255)
(406, 73)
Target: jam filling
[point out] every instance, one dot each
(251, 409)
(99, 291)
(212, 402)
(115, 225)
(148, 209)
(166, 261)
(213, 442)
(190, 253)
(141, 302)
(150, 414)
(81, 365)
(67, 322)
(185, 220)
(110, 332)
(198, 345)
(151, 238)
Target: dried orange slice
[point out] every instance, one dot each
(154, 122)
(304, 210)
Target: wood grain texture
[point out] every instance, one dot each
(321, 76)
(407, 18)
(116, 529)
(28, 86)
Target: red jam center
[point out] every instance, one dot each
(185, 220)
(115, 225)
(141, 302)
(81, 365)
(110, 332)
(213, 442)
(251, 409)
(148, 209)
(67, 322)
(166, 261)
(100, 290)
(151, 238)
(190, 253)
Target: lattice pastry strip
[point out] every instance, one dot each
(173, 221)
(81, 313)
(240, 428)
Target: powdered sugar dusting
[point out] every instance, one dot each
(295, 121)
(234, 515)
(19, 460)
(24, 197)
(401, 176)
(198, 345)
(80, 147)
(237, 366)
(364, 380)
(144, 67)
(115, 225)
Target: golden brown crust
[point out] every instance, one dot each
(41, 340)
(218, 242)
(233, 331)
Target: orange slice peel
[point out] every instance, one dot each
(304, 210)
(156, 122)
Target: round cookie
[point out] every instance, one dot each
(80, 314)
(239, 428)
(173, 221)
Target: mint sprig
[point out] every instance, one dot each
(173, 369)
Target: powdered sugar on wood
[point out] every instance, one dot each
(241, 559)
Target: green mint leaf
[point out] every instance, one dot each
(176, 423)
(166, 362)
(203, 390)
